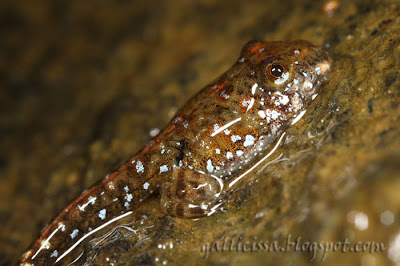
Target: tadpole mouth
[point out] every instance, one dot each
(316, 75)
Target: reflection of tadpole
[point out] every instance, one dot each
(277, 159)
(113, 235)
(117, 234)
(75, 260)
(92, 232)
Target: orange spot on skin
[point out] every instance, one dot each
(224, 96)
(256, 47)
(220, 90)
(219, 87)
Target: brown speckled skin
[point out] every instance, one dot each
(191, 162)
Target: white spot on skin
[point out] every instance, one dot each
(224, 95)
(229, 155)
(146, 185)
(275, 114)
(54, 254)
(126, 188)
(91, 200)
(235, 138)
(271, 115)
(163, 168)
(128, 197)
(217, 151)
(283, 99)
(102, 214)
(249, 140)
(74, 233)
(227, 132)
(177, 119)
(210, 167)
(245, 102)
(139, 167)
(296, 102)
(239, 153)
(282, 78)
(261, 113)
(162, 151)
(296, 52)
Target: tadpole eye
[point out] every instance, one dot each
(276, 69)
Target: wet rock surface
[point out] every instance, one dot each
(84, 85)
